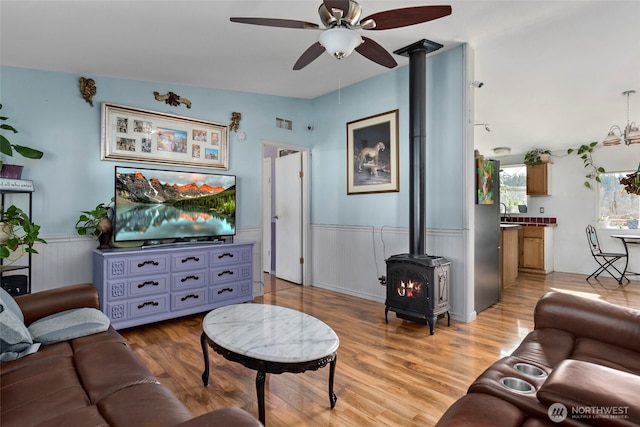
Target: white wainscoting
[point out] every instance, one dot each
(64, 260)
(67, 260)
(350, 259)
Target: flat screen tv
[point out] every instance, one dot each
(163, 206)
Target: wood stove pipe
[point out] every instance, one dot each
(417, 53)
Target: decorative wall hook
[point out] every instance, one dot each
(235, 121)
(172, 99)
(88, 89)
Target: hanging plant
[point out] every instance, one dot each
(631, 182)
(585, 152)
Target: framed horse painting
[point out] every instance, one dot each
(372, 154)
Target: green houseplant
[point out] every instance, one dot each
(536, 156)
(585, 152)
(96, 224)
(18, 232)
(7, 148)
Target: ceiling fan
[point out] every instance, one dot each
(341, 18)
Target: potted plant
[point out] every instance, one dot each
(536, 156)
(96, 224)
(6, 148)
(18, 232)
(585, 152)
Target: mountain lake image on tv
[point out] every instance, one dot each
(159, 205)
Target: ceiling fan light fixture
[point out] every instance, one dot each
(340, 42)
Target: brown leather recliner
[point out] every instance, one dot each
(579, 366)
(95, 380)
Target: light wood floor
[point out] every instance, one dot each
(393, 374)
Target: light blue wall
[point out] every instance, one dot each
(51, 115)
(389, 91)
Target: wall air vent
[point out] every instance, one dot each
(284, 124)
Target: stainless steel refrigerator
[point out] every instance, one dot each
(487, 234)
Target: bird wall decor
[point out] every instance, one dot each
(172, 99)
(88, 89)
(235, 121)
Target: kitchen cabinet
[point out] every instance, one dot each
(538, 180)
(535, 249)
(509, 254)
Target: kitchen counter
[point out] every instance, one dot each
(529, 221)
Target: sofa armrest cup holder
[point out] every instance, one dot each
(517, 385)
(530, 370)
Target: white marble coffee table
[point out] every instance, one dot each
(269, 339)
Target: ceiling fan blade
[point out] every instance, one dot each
(337, 4)
(309, 55)
(274, 22)
(397, 18)
(373, 51)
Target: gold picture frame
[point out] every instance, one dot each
(372, 154)
(137, 135)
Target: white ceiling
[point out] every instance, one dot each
(553, 71)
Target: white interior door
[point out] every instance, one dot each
(266, 215)
(289, 217)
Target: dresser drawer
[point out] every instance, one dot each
(117, 289)
(136, 266)
(193, 298)
(230, 273)
(125, 310)
(144, 307)
(227, 256)
(189, 279)
(221, 293)
(227, 292)
(189, 261)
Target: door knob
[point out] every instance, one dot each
(275, 217)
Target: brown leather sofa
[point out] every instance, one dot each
(95, 380)
(579, 366)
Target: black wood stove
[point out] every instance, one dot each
(418, 288)
(417, 284)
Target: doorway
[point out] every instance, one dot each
(285, 212)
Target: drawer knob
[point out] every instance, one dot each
(194, 296)
(148, 282)
(222, 273)
(184, 279)
(225, 290)
(153, 303)
(143, 263)
(230, 255)
(190, 258)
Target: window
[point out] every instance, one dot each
(513, 187)
(615, 205)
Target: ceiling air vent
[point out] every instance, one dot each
(284, 124)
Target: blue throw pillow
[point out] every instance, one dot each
(69, 324)
(7, 300)
(15, 339)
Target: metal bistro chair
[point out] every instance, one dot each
(604, 259)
